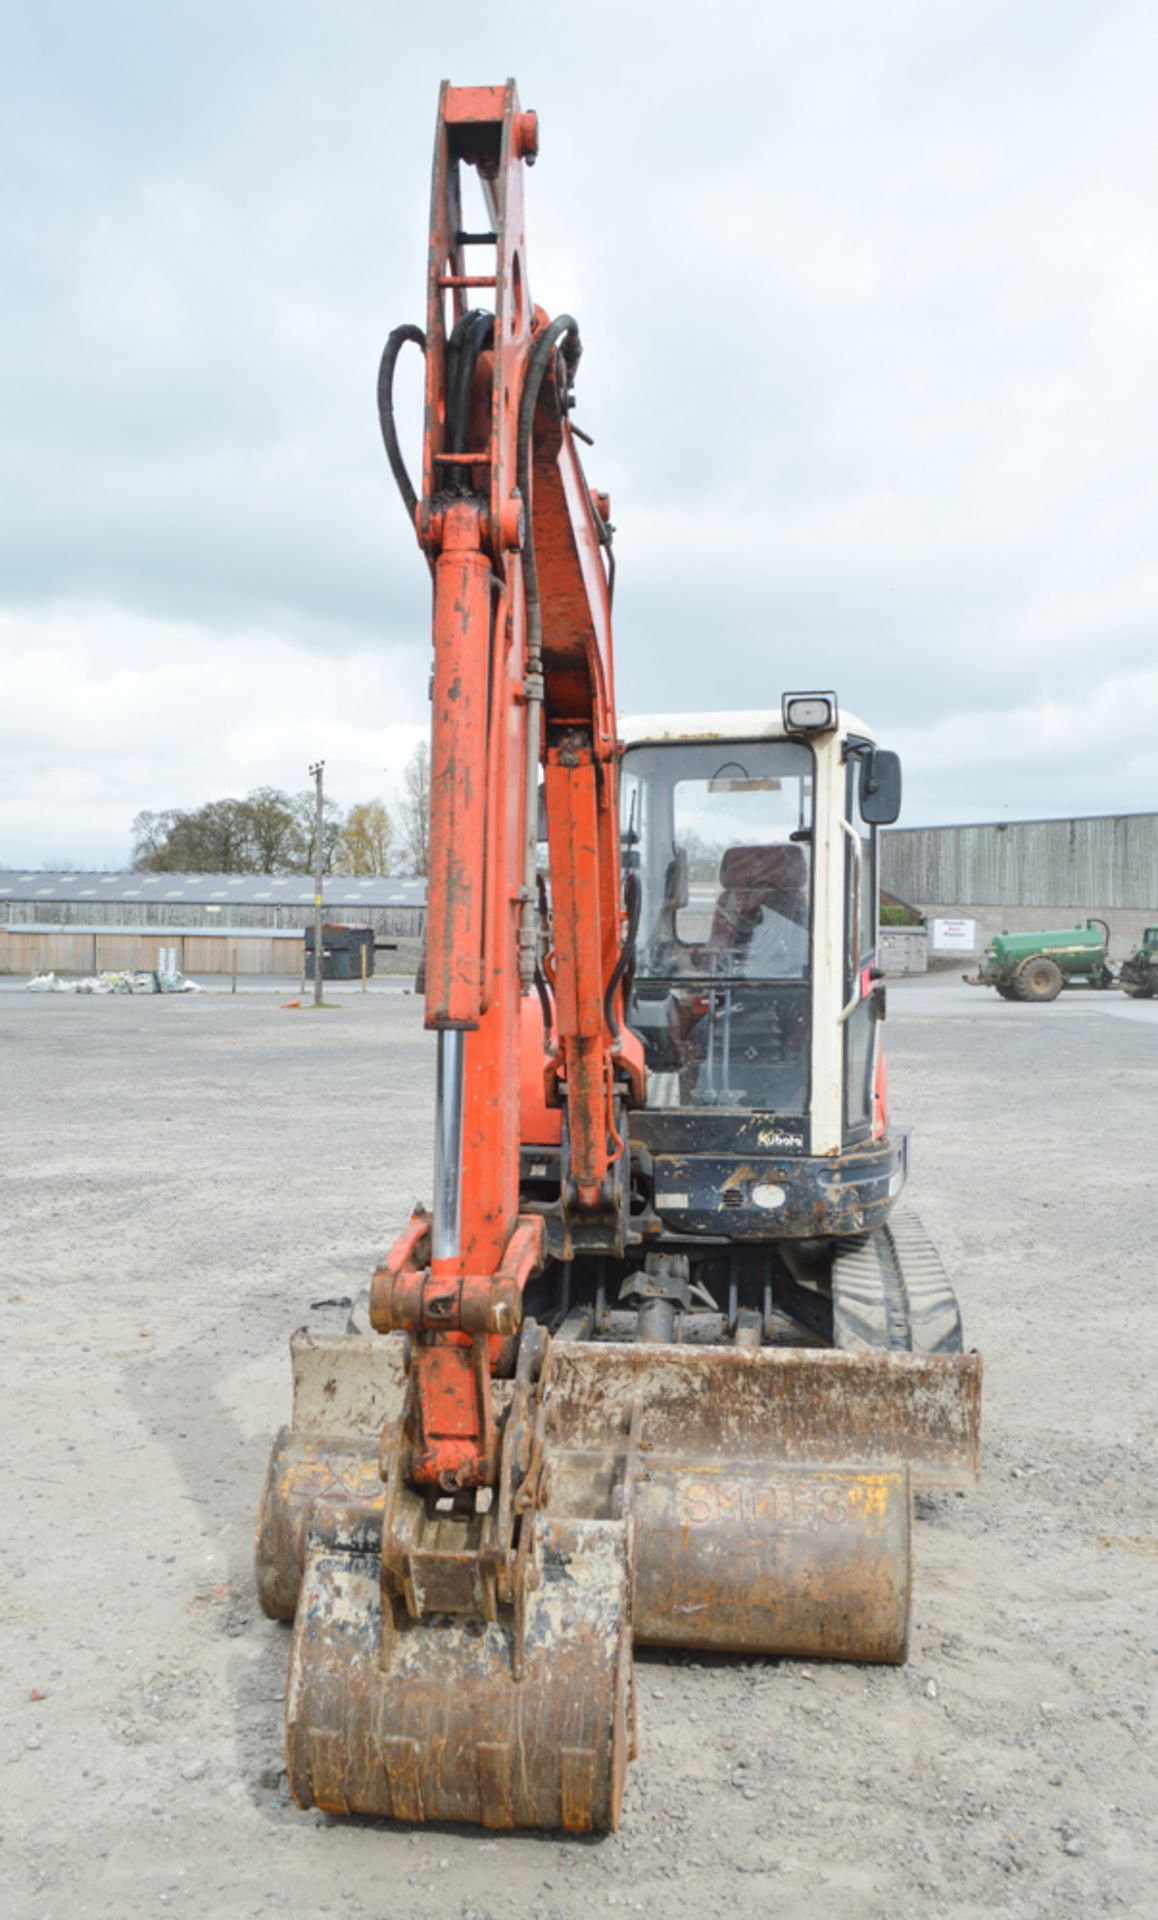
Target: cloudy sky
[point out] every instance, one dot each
(869, 296)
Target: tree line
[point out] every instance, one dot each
(271, 831)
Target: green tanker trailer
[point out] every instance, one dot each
(1036, 966)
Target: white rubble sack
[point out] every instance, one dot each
(141, 982)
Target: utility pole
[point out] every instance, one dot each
(316, 776)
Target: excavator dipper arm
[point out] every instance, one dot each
(459, 1653)
(522, 678)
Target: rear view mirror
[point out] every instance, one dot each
(880, 787)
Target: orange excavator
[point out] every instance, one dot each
(667, 1356)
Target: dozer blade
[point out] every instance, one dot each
(429, 1722)
(780, 1406)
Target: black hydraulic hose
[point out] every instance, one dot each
(563, 324)
(544, 993)
(634, 893)
(537, 365)
(540, 360)
(398, 339)
(604, 531)
(471, 336)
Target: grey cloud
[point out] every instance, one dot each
(869, 301)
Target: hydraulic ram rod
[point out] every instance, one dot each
(446, 1229)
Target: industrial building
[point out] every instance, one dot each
(254, 922)
(1023, 875)
(1029, 875)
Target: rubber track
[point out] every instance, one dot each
(890, 1290)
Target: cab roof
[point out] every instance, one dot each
(757, 724)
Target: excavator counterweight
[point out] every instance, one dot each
(667, 1357)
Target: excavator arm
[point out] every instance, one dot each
(518, 548)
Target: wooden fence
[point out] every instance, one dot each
(92, 950)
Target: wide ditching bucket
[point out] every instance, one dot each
(771, 1492)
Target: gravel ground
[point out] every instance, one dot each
(185, 1176)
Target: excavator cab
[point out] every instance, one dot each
(754, 985)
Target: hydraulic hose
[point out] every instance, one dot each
(540, 360)
(543, 991)
(634, 894)
(472, 335)
(394, 345)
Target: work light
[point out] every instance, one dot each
(808, 712)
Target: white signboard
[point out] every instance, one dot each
(954, 936)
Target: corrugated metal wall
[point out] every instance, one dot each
(1111, 861)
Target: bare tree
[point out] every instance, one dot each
(151, 835)
(366, 839)
(276, 834)
(414, 809)
(267, 832)
(304, 808)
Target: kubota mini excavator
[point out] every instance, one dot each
(665, 1360)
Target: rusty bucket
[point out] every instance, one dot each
(770, 1489)
(346, 1389)
(770, 1495)
(435, 1718)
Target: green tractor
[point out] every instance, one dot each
(1138, 976)
(1036, 966)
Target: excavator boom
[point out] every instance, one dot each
(522, 678)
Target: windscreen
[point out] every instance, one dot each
(719, 836)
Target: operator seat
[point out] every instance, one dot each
(750, 878)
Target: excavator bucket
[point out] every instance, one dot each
(771, 1490)
(347, 1390)
(454, 1717)
(437, 1703)
(782, 1441)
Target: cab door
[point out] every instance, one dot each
(860, 958)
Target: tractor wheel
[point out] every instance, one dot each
(1008, 993)
(1038, 979)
